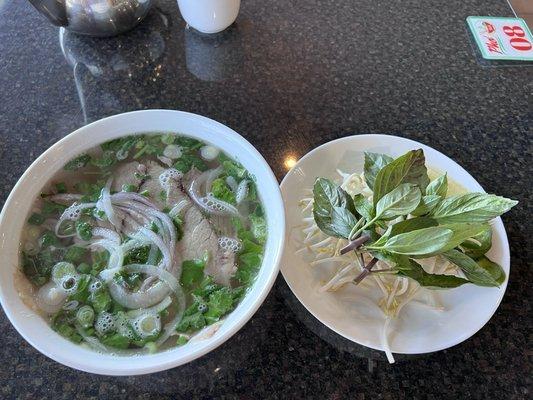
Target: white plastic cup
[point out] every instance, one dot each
(209, 16)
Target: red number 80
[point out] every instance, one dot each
(518, 42)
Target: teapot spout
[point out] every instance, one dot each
(54, 10)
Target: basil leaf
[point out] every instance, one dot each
(332, 209)
(339, 222)
(479, 244)
(412, 224)
(471, 207)
(422, 242)
(409, 168)
(428, 203)
(415, 271)
(472, 270)
(327, 195)
(363, 207)
(392, 259)
(400, 201)
(439, 186)
(462, 232)
(373, 163)
(494, 269)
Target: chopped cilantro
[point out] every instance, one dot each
(222, 191)
(77, 163)
(36, 219)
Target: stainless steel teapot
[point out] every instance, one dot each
(94, 17)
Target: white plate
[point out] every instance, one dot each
(417, 329)
(35, 329)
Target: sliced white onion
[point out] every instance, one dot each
(218, 207)
(158, 272)
(167, 301)
(72, 213)
(105, 204)
(178, 208)
(65, 198)
(152, 255)
(148, 235)
(232, 183)
(169, 230)
(50, 298)
(170, 327)
(116, 258)
(128, 197)
(211, 177)
(242, 191)
(107, 234)
(140, 299)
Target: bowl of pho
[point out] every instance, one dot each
(140, 242)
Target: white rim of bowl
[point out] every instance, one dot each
(244, 318)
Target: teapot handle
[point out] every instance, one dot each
(54, 10)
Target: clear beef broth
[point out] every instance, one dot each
(143, 243)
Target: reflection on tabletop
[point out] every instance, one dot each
(104, 68)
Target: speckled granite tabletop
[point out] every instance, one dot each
(289, 76)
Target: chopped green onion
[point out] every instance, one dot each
(48, 239)
(182, 339)
(74, 254)
(61, 187)
(151, 347)
(77, 163)
(62, 270)
(85, 316)
(35, 219)
(84, 268)
(84, 230)
(129, 187)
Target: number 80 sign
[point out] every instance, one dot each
(502, 38)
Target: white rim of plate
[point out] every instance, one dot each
(414, 144)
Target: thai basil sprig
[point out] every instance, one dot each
(427, 222)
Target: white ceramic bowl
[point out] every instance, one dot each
(417, 329)
(35, 329)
